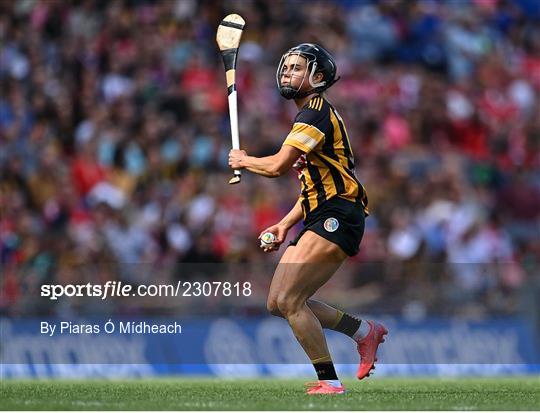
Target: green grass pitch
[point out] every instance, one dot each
(517, 393)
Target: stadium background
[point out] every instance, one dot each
(114, 141)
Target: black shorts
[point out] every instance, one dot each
(339, 221)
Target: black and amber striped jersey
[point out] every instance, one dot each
(327, 169)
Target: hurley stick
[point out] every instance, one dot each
(228, 37)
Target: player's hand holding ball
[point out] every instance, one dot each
(267, 240)
(272, 237)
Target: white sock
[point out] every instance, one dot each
(362, 331)
(334, 383)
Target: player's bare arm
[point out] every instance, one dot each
(281, 229)
(271, 166)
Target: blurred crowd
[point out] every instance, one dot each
(114, 135)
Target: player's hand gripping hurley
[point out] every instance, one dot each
(228, 37)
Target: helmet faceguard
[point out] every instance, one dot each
(317, 60)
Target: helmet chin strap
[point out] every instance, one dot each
(289, 92)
